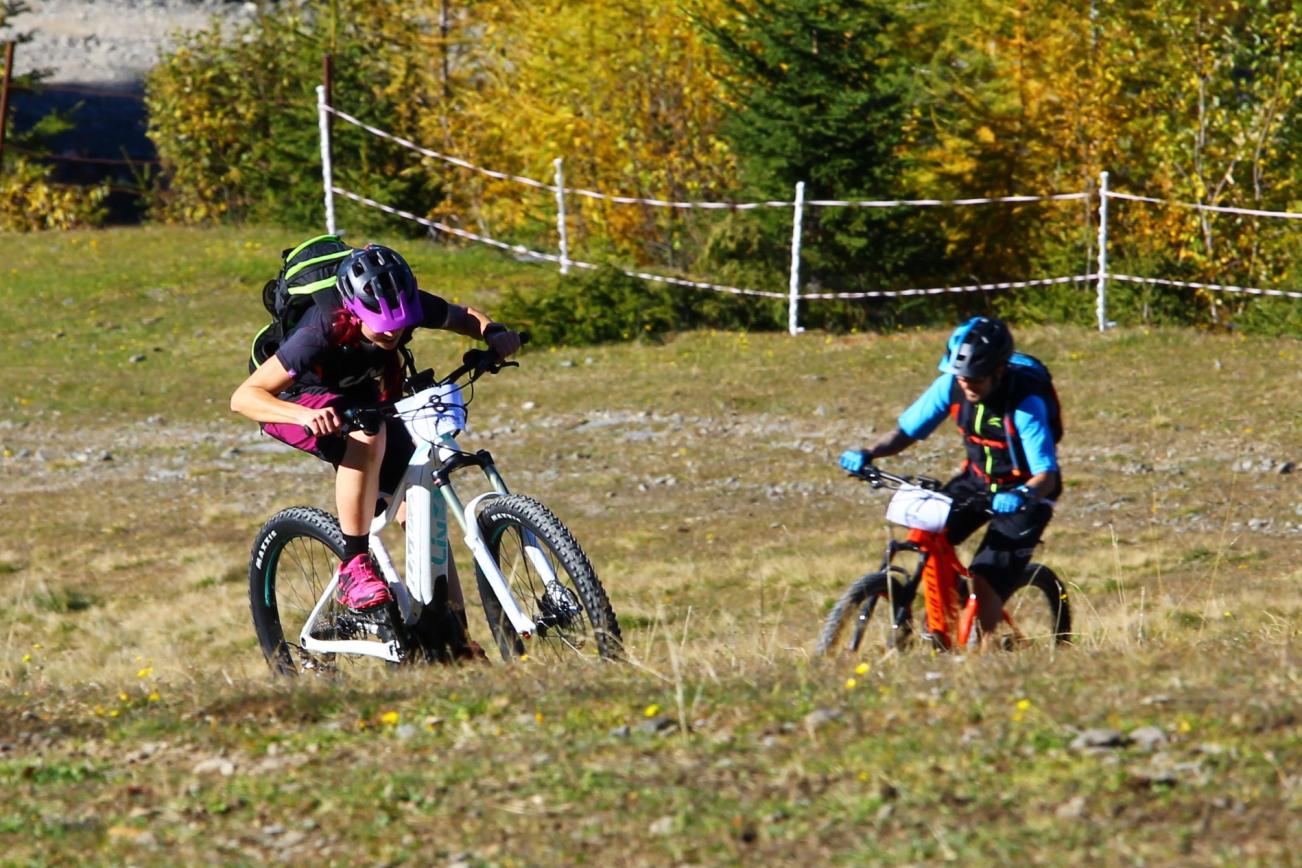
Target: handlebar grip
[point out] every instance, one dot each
(366, 420)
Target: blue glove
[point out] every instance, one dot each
(853, 460)
(1009, 501)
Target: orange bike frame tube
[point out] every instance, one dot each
(939, 584)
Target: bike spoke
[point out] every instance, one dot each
(552, 582)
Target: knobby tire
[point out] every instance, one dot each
(869, 598)
(506, 523)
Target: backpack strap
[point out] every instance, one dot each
(1019, 386)
(298, 267)
(408, 361)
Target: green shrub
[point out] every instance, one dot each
(233, 113)
(608, 305)
(29, 201)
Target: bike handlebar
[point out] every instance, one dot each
(878, 478)
(475, 361)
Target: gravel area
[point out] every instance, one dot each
(108, 42)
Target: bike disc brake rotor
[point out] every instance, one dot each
(559, 605)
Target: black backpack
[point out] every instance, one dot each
(305, 270)
(1032, 376)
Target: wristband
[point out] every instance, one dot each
(493, 328)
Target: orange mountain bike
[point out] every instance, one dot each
(1036, 610)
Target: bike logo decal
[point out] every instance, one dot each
(438, 548)
(262, 549)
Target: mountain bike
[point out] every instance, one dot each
(1036, 611)
(540, 593)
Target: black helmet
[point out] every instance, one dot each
(977, 348)
(377, 285)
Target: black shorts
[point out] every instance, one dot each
(1010, 539)
(398, 446)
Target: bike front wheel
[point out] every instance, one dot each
(552, 582)
(875, 605)
(1039, 613)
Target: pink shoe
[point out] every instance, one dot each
(360, 587)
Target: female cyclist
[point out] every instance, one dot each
(344, 353)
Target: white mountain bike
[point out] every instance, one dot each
(538, 589)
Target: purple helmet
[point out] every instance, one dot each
(377, 286)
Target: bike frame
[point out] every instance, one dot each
(433, 417)
(938, 571)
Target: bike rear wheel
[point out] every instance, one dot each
(295, 556)
(864, 611)
(573, 614)
(1039, 608)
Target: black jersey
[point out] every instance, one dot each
(313, 359)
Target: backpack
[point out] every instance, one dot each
(305, 270)
(1031, 377)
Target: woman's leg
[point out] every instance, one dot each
(357, 481)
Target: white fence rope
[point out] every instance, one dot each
(926, 203)
(1214, 287)
(456, 161)
(666, 203)
(521, 250)
(793, 296)
(941, 290)
(1223, 209)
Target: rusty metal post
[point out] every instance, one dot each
(4, 98)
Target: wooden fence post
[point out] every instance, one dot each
(4, 98)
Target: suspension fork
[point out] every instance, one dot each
(902, 605)
(531, 548)
(467, 517)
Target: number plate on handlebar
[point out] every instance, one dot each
(434, 412)
(919, 508)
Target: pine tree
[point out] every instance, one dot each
(821, 93)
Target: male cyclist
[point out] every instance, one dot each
(1006, 414)
(345, 353)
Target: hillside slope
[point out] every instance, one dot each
(138, 722)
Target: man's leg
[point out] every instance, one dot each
(1002, 557)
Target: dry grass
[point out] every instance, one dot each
(700, 476)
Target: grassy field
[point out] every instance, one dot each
(139, 723)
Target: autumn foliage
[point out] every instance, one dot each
(733, 100)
